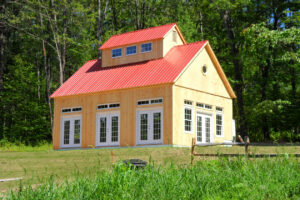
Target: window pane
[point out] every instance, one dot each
(219, 124)
(207, 129)
(131, 50)
(77, 131)
(157, 126)
(144, 126)
(187, 125)
(116, 53)
(67, 132)
(188, 114)
(199, 129)
(103, 129)
(146, 47)
(114, 128)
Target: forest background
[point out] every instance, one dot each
(43, 42)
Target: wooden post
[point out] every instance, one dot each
(247, 142)
(241, 139)
(193, 149)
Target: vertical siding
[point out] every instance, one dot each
(168, 41)
(127, 99)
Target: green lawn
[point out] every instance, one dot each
(36, 165)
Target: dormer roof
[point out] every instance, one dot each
(144, 35)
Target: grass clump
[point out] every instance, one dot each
(6, 146)
(219, 179)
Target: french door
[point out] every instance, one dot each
(149, 127)
(108, 129)
(204, 128)
(70, 131)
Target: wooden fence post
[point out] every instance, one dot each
(192, 150)
(247, 142)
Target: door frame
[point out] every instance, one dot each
(109, 114)
(203, 115)
(71, 118)
(137, 125)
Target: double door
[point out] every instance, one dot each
(108, 129)
(204, 128)
(149, 126)
(70, 131)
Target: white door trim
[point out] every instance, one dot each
(71, 118)
(150, 112)
(108, 115)
(205, 115)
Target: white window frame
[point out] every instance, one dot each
(146, 51)
(108, 106)
(107, 114)
(71, 109)
(192, 118)
(71, 118)
(204, 115)
(127, 54)
(222, 127)
(116, 56)
(150, 128)
(149, 101)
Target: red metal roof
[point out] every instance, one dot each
(137, 36)
(91, 77)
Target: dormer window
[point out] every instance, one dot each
(130, 50)
(116, 53)
(147, 47)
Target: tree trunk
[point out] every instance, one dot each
(2, 44)
(238, 74)
(114, 12)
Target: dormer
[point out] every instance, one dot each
(140, 45)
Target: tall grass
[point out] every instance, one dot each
(21, 147)
(220, 179)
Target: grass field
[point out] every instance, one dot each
(36, 165)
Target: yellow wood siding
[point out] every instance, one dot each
(169, 41)
(206, 88)
(128, 99)
(157, 52)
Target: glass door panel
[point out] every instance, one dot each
(156, 126)
(103, 131)
(199, 128)
(144, 126)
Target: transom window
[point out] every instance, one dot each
(106, 106)
(187, 102)
(209, 107)
(200, 105)
(219, 109)
(219, 124)
(147, 47)
(131, 50)
(69, 110)
(150, 101)
(116, 53)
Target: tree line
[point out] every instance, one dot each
(43, 42)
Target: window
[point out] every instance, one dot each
(188, 119)
(106, 106)
(66, 110)
(204, 69)
(131, 50)
(143, 102)
(200, 105)
(219, 109)
(219, 124)
(116, 53)
(147, 47)
(156, 101)
(150, 101)
(187, 102)
(209, 107)
(69, 110)
(114, 105)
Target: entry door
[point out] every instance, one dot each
(70, 132)
(108, 129)
(149, 127)
(204, 128)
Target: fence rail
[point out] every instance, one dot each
(246, 143)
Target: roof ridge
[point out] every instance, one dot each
(174, 23)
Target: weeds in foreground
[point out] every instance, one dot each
(219, 179)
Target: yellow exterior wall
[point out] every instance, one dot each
(169, 42)
(128, 99)
(157, 52)
(209, 89)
